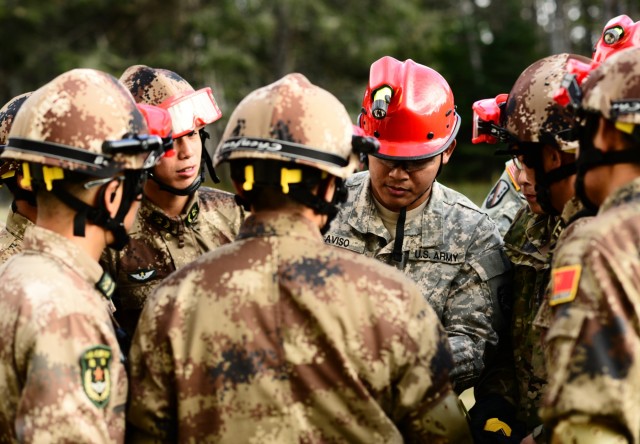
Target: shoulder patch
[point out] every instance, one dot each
(96, 376)
(142, 275)
(496, 194)
(512, 172)
(564, 284)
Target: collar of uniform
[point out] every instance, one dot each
(17, 224)
(61, 249)
(629, 192)
(364, 216)
(274, 223)
(156, 216)
(571, 208)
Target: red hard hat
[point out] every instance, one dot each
(619, 33)
(409, 108)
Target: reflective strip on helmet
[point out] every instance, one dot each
(287, 149)
(57, 151)
(191, 110)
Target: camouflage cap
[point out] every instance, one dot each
(613, 89)
(7, 114)
(66, 122)
(532, 114)
(294, 121)
(153, 85)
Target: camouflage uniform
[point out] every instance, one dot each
(12, 235)
(278, 338)
(505, 199)
(63, 379)
(160, 245)
(592, 343)
(527, 244)
(455, 255)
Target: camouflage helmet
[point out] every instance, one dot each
(291, 120)
(613, 89)
(7, 115)
(531, 113)
(83, 120)
(189, 108)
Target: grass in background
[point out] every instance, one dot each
(476, 191)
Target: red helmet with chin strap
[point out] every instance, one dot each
(409, 108)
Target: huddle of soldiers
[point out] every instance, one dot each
(318, 303)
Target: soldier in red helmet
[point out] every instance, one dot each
(398, 213)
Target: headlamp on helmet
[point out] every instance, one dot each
(191, 110)
(618, 34)
(487, 115)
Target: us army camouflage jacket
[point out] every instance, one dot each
(505, 199)
(455, 255)
(279, 338)
(63, 379)
(12, 235)
(519, 374)
(593, 343)
(160, 245)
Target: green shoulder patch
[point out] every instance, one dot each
(96, 376)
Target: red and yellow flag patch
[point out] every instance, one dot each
(564, 284)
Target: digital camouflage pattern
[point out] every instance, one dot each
(518, 374)
(532, 115)
(291, 132)
(153, 85)
(279, 338)
(12, 235)
(505, 199)
(7, 114)
(593, 341)
(454, 253)
(614, 88)
(160, 244)
(53, 322)
(65, 112)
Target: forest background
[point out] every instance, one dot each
(236, 46)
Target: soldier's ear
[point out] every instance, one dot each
(112, 196)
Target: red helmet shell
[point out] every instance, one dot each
(420, 121)
(619, 33)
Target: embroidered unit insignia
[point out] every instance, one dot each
(96, 377)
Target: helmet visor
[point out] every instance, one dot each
(191, 110)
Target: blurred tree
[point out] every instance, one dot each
(234, 46)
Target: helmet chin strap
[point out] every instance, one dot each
(132, 187)
(591, 157)
(199, 180)
(398, 257)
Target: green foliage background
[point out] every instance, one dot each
(235, 46)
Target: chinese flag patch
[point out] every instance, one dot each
(564, 284)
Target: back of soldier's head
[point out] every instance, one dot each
(83, 127)
(290, 136)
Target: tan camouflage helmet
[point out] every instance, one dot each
(613, 89)
(532, 115)
(153, 85)
(291, 120)
(7, 114)
(72, 121)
